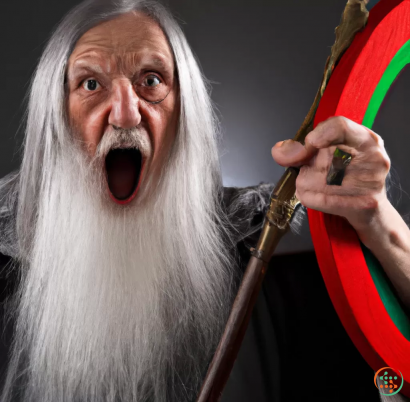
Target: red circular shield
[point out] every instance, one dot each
(360, 291)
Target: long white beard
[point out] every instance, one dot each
(118, 303)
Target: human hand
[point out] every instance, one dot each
(362, 195)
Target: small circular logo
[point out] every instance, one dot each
(390, 381)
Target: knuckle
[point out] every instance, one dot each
(374, 139)
(341, 124)
(379, 140)
(386, 163)
(312, 137)
(382, 159)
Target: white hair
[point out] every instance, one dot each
(117, 302)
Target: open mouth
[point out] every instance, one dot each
(124, 170)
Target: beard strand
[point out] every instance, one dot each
(118, 303)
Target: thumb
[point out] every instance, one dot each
(292, 153)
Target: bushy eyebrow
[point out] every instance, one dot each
(159, 62)
(83, 65)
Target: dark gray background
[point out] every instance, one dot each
(264, 59)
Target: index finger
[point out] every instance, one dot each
(340, 130)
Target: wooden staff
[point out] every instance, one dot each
(281, 209)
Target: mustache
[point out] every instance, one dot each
(135, 137)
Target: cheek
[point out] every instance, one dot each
(165, 123)
(88, 123)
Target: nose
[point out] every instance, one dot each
(125, 104)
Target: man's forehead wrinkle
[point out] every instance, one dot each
(123, 45)
(131, 31)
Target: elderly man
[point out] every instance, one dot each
(121, 239)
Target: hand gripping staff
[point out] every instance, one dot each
(370, 50)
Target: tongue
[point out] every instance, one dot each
(123, 167)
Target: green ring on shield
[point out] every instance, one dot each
(337, 170)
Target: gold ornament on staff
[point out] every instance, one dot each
(281, 209)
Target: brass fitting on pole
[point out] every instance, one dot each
(283, 203)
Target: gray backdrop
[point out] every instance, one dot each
(264, 59)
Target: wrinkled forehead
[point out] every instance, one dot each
(121, 43)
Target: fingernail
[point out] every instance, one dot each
(286, 143)
(281, 143)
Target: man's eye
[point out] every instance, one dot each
(91, 85)
(151, 81)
